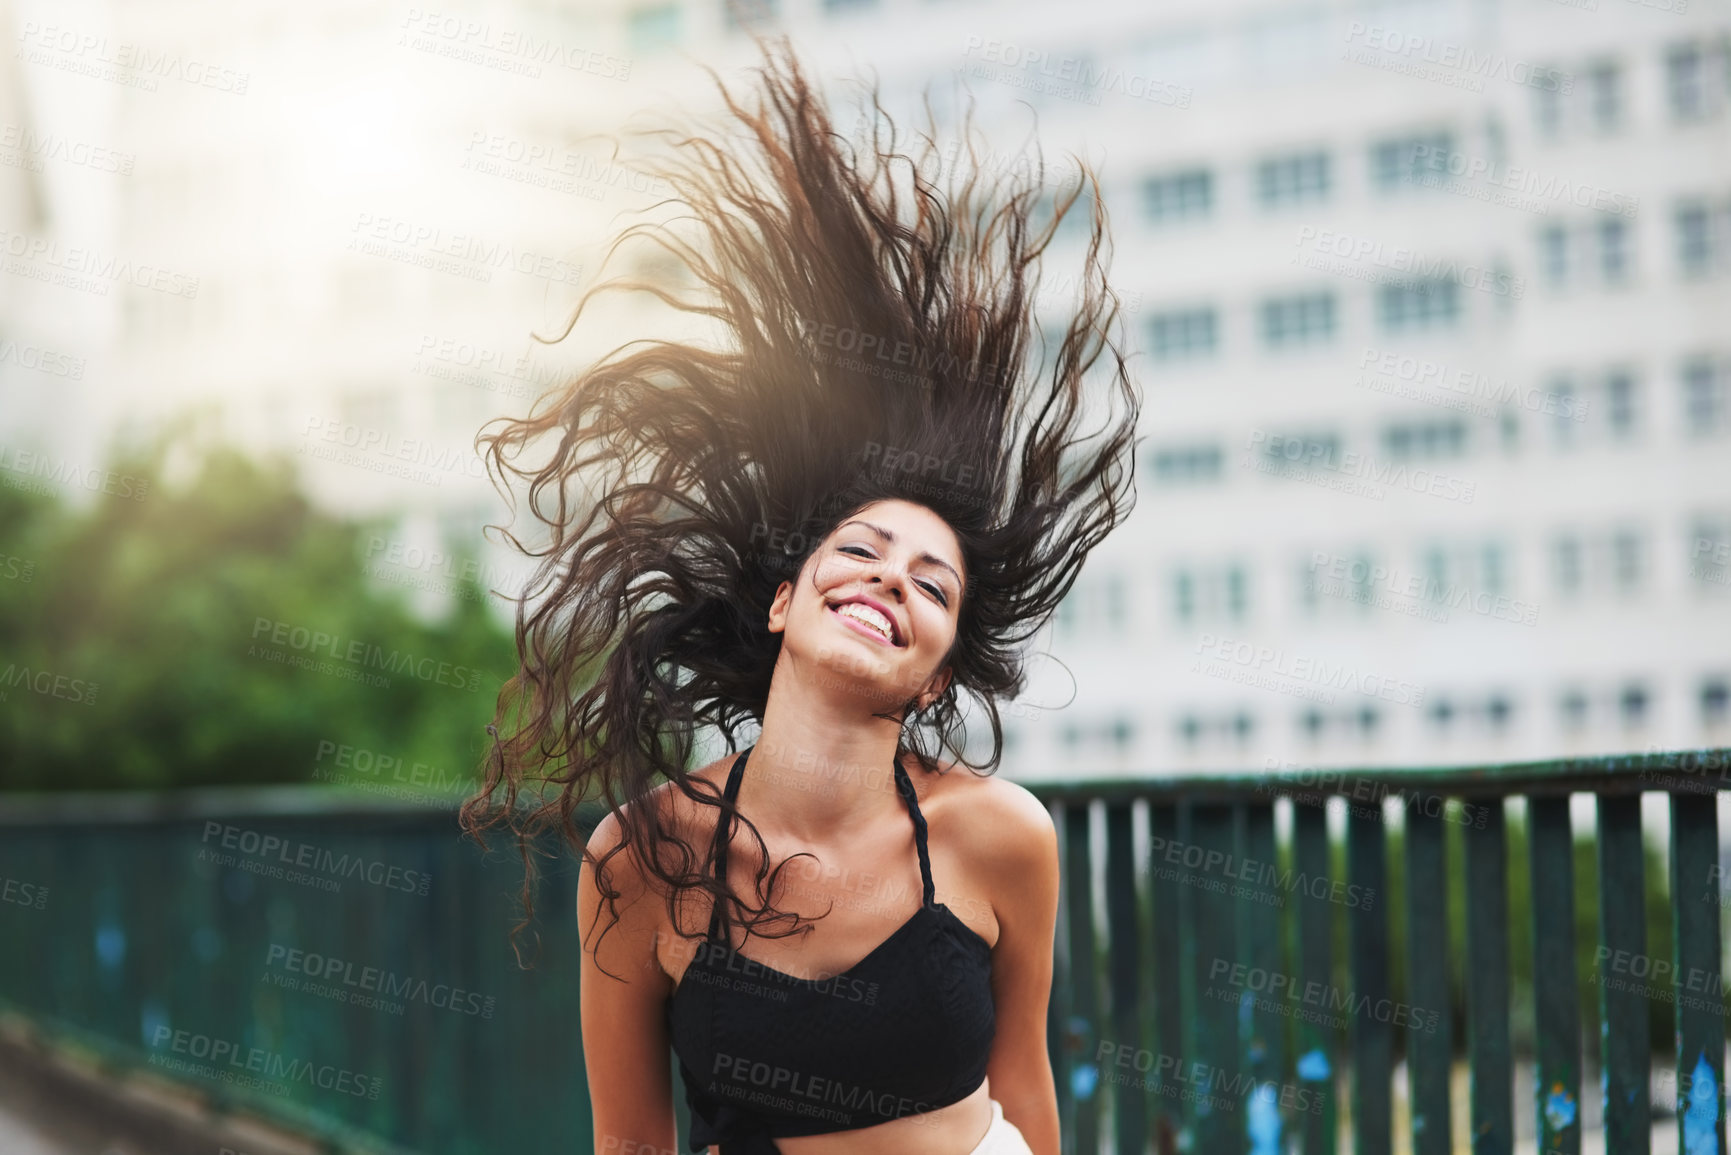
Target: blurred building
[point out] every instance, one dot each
(1428, 302)
(1429, 306)
(326, 230)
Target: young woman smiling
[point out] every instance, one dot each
(845, 944)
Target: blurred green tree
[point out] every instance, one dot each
(225, 630)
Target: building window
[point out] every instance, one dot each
(1709, 550)
(1304, 319)
(1436, 572)
(1498, 711)
(1703, 396)
(1605, 81)
(1187, 464)
(1123, 734)
(1626, 550)
(1117, 605)
(1509, 424)
(1696, 256)
(652, 28)
(1715, 702)
(1429, 303)
(1686, 81)
(1237, 593)
(746, 14)
(1554, 254)
(1548, 111)
(1238, 725)
(1561, 391)
(1620, 403)
(1399, 162)
(1463, 567)
(1068, 617)
(1572, 707)
(1218, 594)
(1614, 250)
(1183, 334)
(1289, 180)
(1178, 196)
(1190, 729)
(1077, 218)
(1566, 563)
(1491, 573)
(1302, 450)
(1359, 574)
(1348, 581)
(1425, 439)
(1632, 704)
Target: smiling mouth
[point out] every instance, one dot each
(862, 628)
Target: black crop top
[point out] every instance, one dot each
(766, 1055)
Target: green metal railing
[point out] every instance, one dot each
(1235, 1034)
(164, 941)
(339, 963)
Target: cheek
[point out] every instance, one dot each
(937, 631)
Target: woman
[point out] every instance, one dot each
(853, 507)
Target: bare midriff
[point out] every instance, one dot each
(952, 1130)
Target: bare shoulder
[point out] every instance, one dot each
(998, 819)
(680, 815)
(626, 878)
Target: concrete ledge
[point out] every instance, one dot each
(78, 1107)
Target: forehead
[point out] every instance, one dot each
(909, 516)
(907, 524)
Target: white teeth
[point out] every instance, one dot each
(870, 617)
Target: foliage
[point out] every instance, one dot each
(150, 639)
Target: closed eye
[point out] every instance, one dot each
(933, 588)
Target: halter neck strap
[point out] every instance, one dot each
(724, 828)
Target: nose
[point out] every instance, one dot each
(898, 570)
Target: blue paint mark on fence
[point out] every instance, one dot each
(1264, 1121)
(1701, 1116)
(1559, 1109)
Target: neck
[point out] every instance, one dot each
(822, 767)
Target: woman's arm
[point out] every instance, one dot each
(1022, 855)
(625, 1043)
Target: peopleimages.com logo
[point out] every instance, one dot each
(269, 853)
(230, 1062)
(306, 641)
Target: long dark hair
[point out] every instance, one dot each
(877, 333)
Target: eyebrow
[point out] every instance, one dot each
(890, 537)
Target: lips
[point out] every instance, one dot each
(895, 638)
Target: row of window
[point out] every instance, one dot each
(1569, 254)
(1697, 86)
(1572, 407)
(1627, 704)
(1601, 250)
(1297, 177)
(1469, 576)
(1308, 318)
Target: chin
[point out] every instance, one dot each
(858, 670)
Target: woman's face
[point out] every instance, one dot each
(892, 558)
